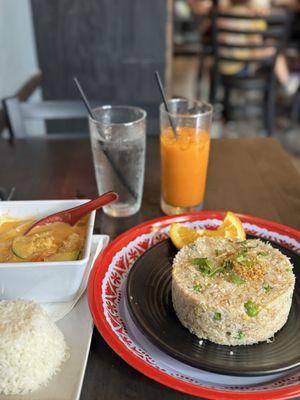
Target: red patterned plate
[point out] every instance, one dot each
(105, 291)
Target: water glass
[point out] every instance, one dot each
(118, 139)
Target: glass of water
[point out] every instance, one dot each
(118, 139)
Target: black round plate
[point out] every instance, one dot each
(150, 305)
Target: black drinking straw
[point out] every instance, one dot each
(84, 99)
(93, 116)
(162, 92)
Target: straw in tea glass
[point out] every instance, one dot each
(184, 157)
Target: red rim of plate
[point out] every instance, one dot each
(95, 293)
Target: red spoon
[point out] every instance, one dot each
(72, 215)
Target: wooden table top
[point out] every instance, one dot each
(251, 176)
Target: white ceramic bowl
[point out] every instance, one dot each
(43, 281)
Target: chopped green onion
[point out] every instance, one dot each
(267, 288)
(217, 316)
(289, 269)
(236, 279)
(242, 257)
(251, 308)
(197, 288)
(263, 254)
(240, 335)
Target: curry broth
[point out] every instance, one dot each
(57, 241)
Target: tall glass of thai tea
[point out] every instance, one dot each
(184, 150)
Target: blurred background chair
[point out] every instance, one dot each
(17, 113)
(296, 109)
(22, 94)
(97, 41)
(114, 47)
(245, 50)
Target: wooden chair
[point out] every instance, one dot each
(273, 36)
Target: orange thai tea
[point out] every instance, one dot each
(184, 165)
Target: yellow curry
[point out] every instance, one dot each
(57, 241)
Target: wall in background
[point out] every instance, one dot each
(113, 46)
(18, 59)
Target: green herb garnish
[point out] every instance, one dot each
(289, 269)
(227, 266)
(218, 252)
(217, 316)
(251, 308)
(267, 288)
(236, 279)
(241, 258)
(197, 288)
(240, 335)
(204, 265)
(207, 268)
(215, 271)
(263, 254)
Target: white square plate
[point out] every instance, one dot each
(77, 327)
